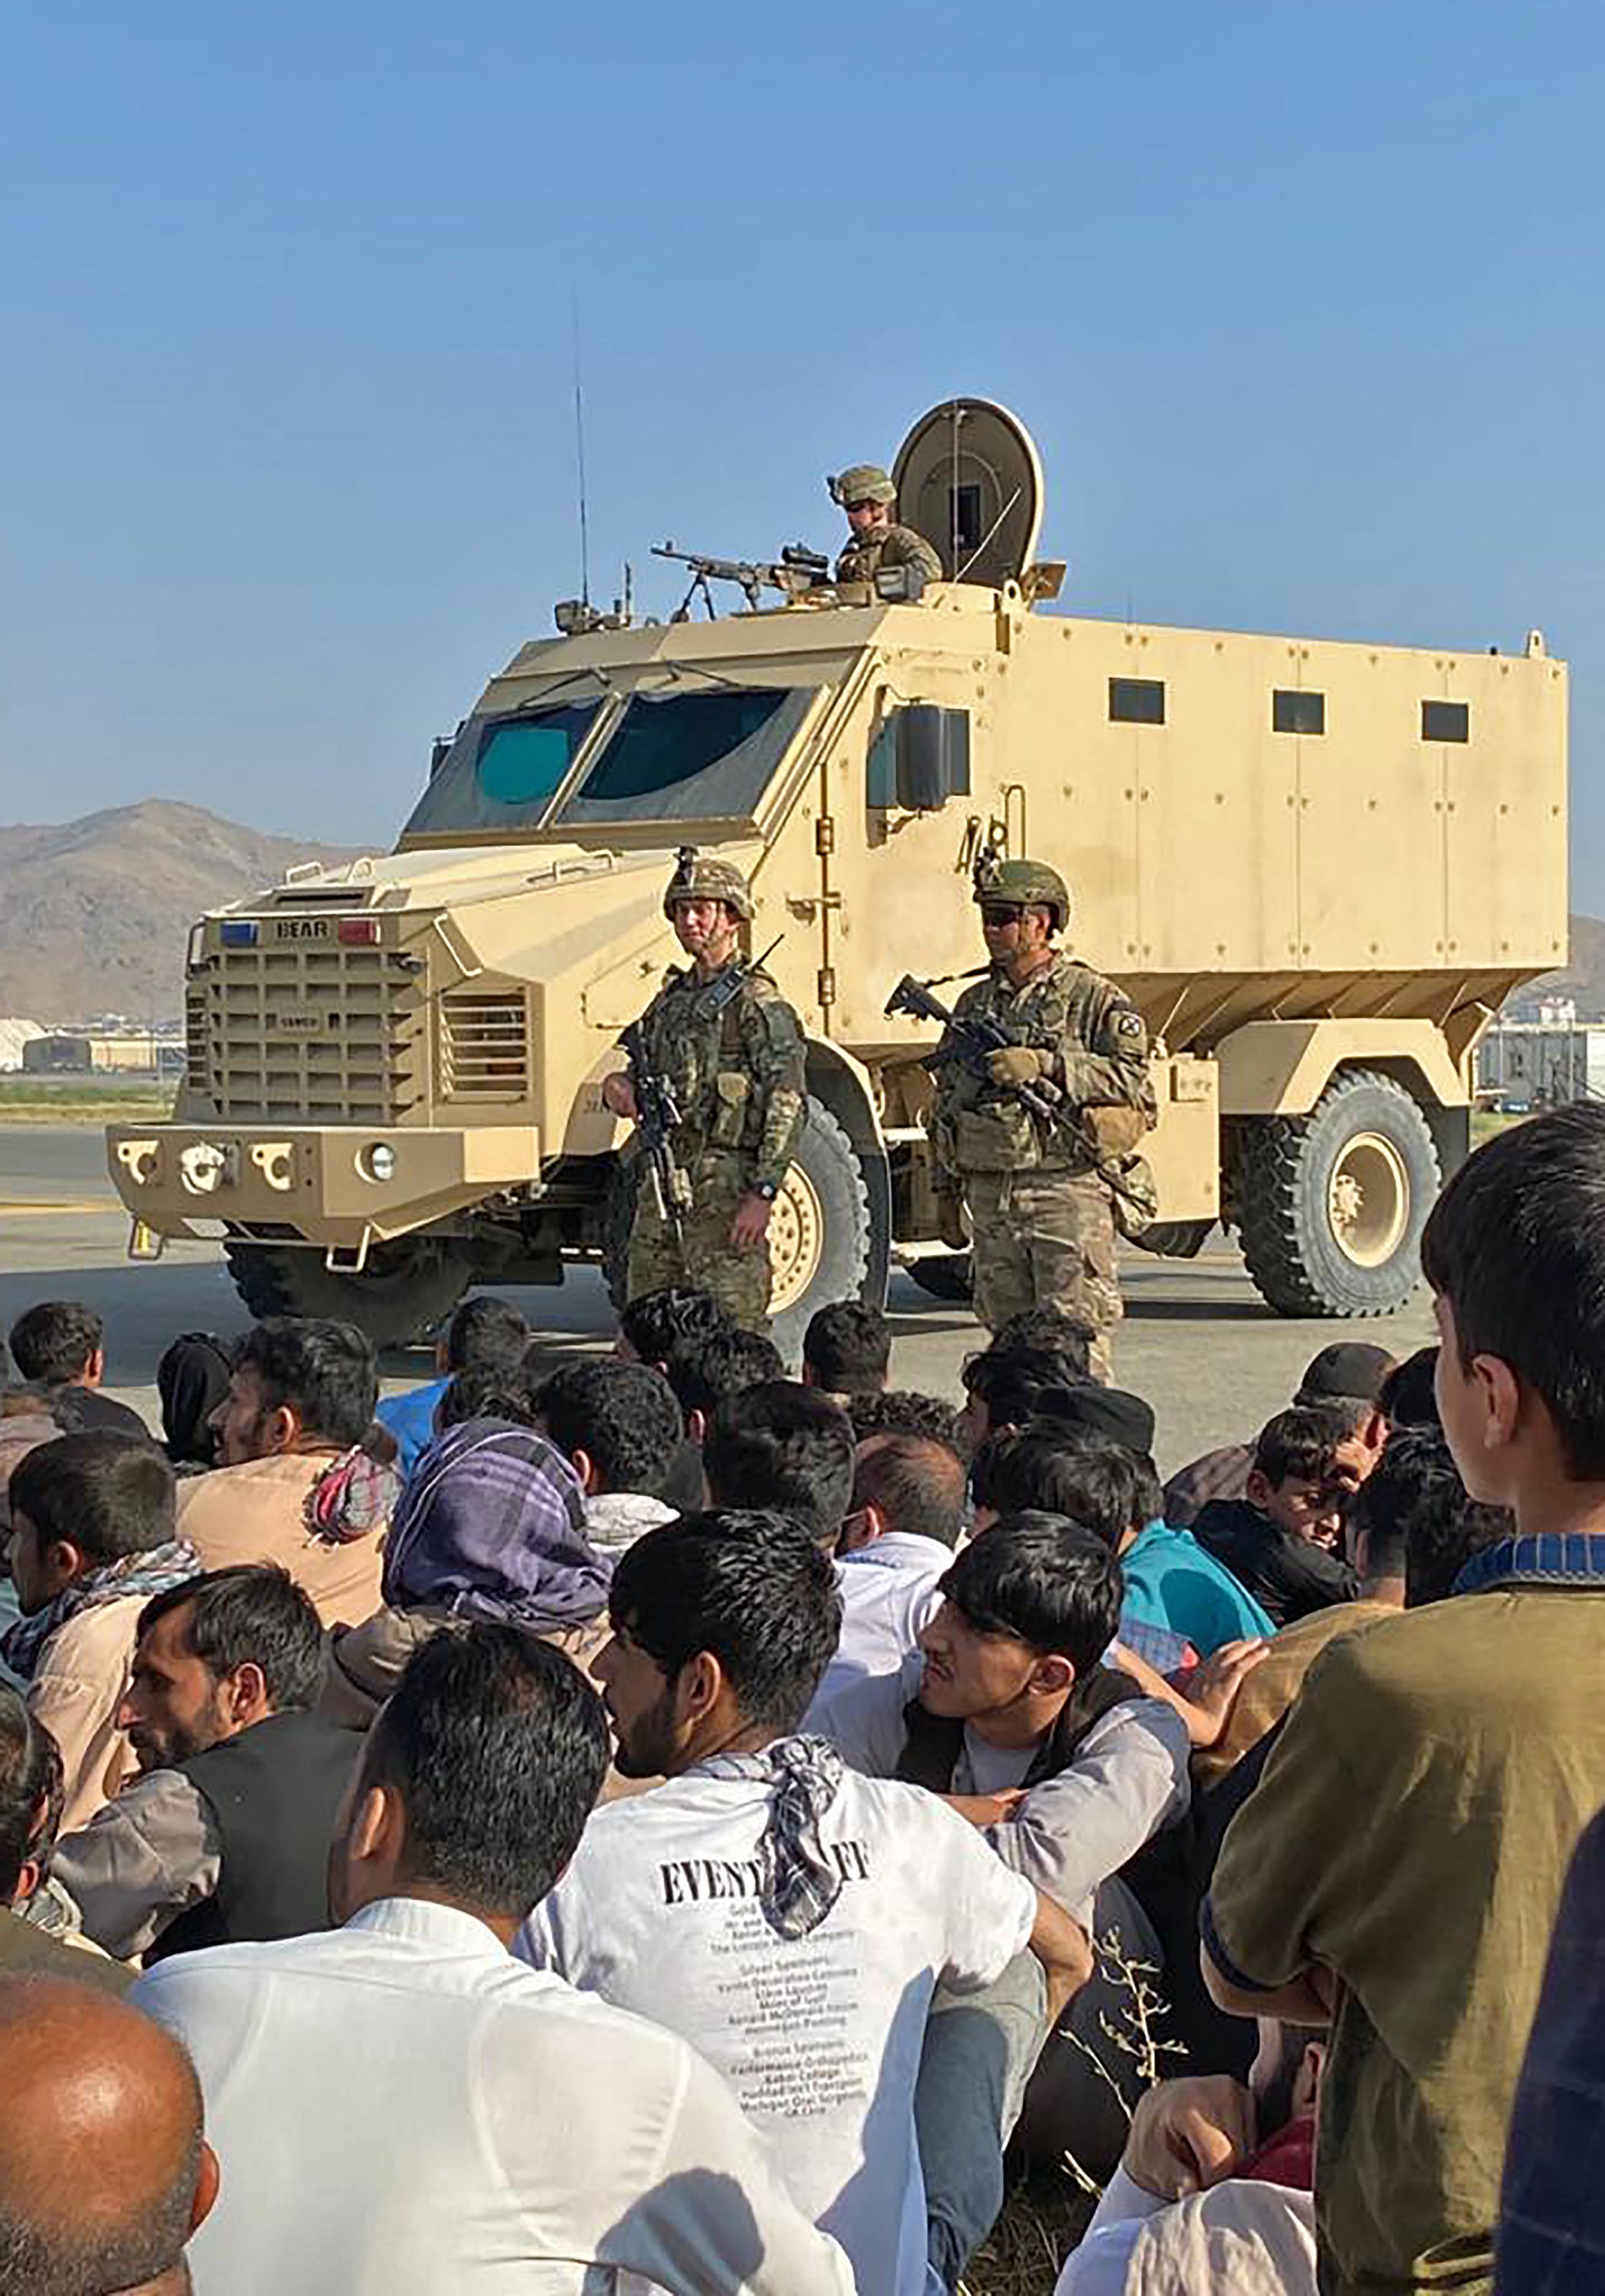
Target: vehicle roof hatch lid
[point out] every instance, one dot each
(969, 479)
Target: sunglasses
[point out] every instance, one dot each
(998, 917)
(863, 505)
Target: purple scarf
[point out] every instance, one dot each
(491, 1525)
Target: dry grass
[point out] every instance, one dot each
(1043, 2216)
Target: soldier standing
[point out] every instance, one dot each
(867, 496)
(1041, 1216)
(734, 1063)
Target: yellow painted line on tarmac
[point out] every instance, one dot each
(31, 1210)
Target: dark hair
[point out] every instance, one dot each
(1515, 1244)
(106, 1494)
(1012, 1381)
(747, 1585)
(55, 1341)
(1053, 1329)
(1103, 1485)
(485, 1333)
(1049, 1583)
(249, 1614)
(497, 1745)
(917, 1485)
(623, 1416)
(705, 1369)
(902, 1411)
(30, 1773)
(324, 1372)
(1409, 1393)
(487, 1391)
(848, 1347)
(786, 1446)
(658, 1322)
(1274, 2099)
(1300, 1444)
(1420, 1524)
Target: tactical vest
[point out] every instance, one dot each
(274, 1792)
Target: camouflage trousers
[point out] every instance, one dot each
(703, 1255)
(1045, 1240)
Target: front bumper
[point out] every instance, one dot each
(333, 1185)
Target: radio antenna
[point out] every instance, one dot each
(579, 456)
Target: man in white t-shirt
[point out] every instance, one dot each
(402, 2107)
(907, 1510)
(789, 1918)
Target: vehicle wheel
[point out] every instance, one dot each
(1332, 1204)
(1173, 1239)
(820, 1233)
(946, 1275)
(405, 1289)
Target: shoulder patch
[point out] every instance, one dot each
(1127, 1021)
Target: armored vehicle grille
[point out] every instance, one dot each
(485, 1045)
(318, 1036)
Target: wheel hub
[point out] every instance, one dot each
(796, 1236)
(1368, 1199)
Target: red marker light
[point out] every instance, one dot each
(358, 932)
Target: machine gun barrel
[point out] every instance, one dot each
(971, 1042)
(657, 1117)
(796, 569)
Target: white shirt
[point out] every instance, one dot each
(402, 2109)
(1238, 2239)
(1129, 1777)
(888, 1592)
(819, 2036)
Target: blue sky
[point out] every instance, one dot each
(1303, 306)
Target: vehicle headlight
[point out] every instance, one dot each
(377, 1161)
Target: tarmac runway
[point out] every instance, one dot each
(1198, 1340)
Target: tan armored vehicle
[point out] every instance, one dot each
(1317, 867)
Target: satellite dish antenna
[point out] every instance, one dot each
(969, 479)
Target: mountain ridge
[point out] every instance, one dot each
(94, 913)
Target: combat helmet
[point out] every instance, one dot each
(1029, 882)
(863, 482)
(699, 878)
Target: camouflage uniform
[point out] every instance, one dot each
(886, 546)
(881, 546)
(1042, 1219)
(739, 1081)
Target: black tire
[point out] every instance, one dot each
(1173, 1239)
(1365, 1135)
(406, 1289)
(949, 1275)
(831, 1180)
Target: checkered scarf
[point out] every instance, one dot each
(491, 1525)
(798, 1884)
(145, 1575)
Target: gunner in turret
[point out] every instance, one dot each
(869, 499)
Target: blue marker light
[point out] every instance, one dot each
(238, 932)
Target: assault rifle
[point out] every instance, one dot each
(657, 1117)
(971, 1044)
(796, 571)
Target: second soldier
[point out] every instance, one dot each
(1040, 1212)
(736, 1065)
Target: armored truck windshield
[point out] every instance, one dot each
(674, 757)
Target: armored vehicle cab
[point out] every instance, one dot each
(1317, 867)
